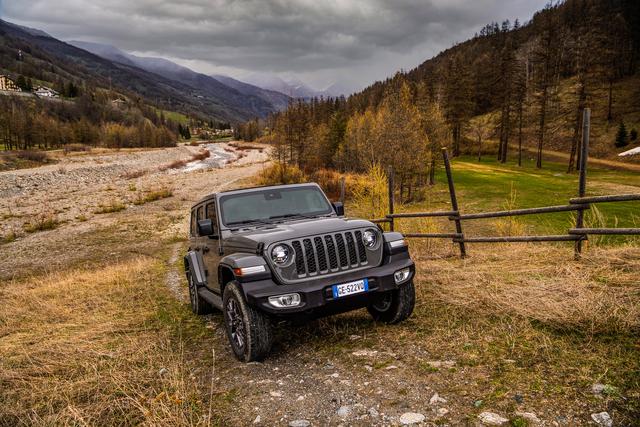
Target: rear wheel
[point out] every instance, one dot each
(249, 330)
(394, 306)
(198, 305)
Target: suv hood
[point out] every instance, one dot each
(292, 229)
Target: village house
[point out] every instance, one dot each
(45, 92)
(7, 84)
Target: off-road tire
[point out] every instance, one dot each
(253, 326)
(394, 306)
(198, 305)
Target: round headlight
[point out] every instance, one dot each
(280, 254)
(369, 238)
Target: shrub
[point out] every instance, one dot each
(330, 181)
(152, 196)
(281, 173)
(32, 155)
(370, 193)
(633, 135)
(42, 222)
(9, 237)
(68, 148)
(112, 206)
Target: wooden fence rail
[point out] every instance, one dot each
(578, 204)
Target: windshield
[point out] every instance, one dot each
(268, 205)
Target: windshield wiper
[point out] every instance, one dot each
(249, 221)
(292, 215)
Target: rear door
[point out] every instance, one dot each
(211, 247)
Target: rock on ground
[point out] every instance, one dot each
(602, 419)
(492, 419)
(529, 416)
(409, 418)
(299, 423)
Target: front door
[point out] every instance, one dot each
(211, 248)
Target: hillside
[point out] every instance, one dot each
(261, 101)
(50, 60)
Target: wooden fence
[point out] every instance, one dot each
(578, 204)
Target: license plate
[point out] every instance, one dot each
(350, 288)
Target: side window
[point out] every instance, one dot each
(194, 225)
(211, 214)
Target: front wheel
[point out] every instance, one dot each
(394, 306)
(249, 330)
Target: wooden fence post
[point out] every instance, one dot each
(391, 190)
(454, 202)
(582, 183)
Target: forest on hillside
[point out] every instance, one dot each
(509, 88)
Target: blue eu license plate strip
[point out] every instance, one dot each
(350, 288)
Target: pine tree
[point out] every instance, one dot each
(622, 139)
(633, 135)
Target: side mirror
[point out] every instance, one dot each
(205, 228)
(339, 208)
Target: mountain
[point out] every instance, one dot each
(51, 61)
(293, 87)
(261, 103)
(279, 100)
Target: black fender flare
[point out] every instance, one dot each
(194, 264)
(238, 260)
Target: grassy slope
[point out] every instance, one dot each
(491, 186)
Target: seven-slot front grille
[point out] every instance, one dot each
(329, 253)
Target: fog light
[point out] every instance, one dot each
(286, 300)
(402, 275)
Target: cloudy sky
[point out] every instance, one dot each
(354, 42)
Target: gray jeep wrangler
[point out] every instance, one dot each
(286, 253)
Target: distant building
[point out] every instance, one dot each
(46, 92)
(7, 84)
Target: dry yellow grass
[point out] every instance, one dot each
(87, 347)
(598, 295)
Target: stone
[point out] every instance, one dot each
(365, 353)
(409, 418)
(275, 394)
(442, 412)
(163, 371)
(442, 363)
(344, 411)
(492, 419)
(435, 399)
(597, 388)
(299, 423)
(258, 420)
(529, 416)
(390, 367)
(373, 413)
(602, 419)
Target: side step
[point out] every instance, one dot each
(210, 297)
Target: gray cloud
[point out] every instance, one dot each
(354, 41)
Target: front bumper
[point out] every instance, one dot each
(316, 295)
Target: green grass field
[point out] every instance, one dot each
(491, 186)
